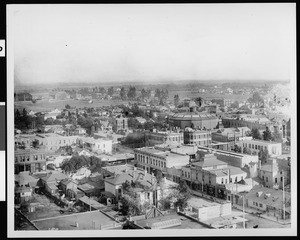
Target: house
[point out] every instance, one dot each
(79, 131)
(23, 194)
(210, 175)
(50, 182)
(96, 145)
(25, 179)
(114, 184)
(53, 141)
(70, 190)
(276, 173)
(275, 203)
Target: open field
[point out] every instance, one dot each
(45, 105)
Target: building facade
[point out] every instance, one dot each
(197, 137)
(29, 159)
(160, 137)
(255, 146)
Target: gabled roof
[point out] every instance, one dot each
(54, 176)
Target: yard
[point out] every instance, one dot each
(46, 208)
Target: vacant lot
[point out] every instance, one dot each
(47, 208)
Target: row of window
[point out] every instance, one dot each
(150, 161)
(27, 158)
(200, 136)
(275, 179)
(254, 146)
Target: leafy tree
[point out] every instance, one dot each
(182, 195)
(256, 98)
(67, 106)
(267, 135)
(199, 101)
(110, 91)
(255, 133)
(237, 148)
(130, 205)
(131, 93)
(264, 155)
(176, 100)
(122, 93)
(246, 150)
(277, 136)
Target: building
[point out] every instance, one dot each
(230, 135)
(53, 141)
(159, 137)
(153, 160)
(209, 175)
(24, 140)
(23, 194)
(275, 173)
(255, 146)
(197, 137)
(114, 184)
(275, 203)
(50, 182)
(196, 120)
(29, 159)
(53, 114)
(120, 124)
(232, 158)
(96, 145)
(79, 131)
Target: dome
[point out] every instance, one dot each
(192, 116)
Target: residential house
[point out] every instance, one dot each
(50, 182)
(275, 203)
(255, 146)
(97, 145)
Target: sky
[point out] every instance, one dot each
(152, 43)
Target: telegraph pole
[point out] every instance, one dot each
(244, 224)
(283, 196)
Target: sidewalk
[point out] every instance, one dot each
(261, 214)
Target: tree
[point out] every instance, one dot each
(256, 98)
(176, 100)
(237, 148)
(199, 101)
(246, 150)
(277, 136)
(122, 93)
(182, 195)
(67, 106)
(131, 93)
(264, 155)
(255, 133)
(110, 91)
(267, 135)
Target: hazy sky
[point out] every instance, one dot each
(63, 43)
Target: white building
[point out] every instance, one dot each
(97, 145)
(53, 141)
(274, 148)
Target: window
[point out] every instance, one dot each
(226, 181)
(263, 177)
(164, 165)
(281, 179)
(230, 180)
(266, 179)
(255, 146)
(196, 176)
(260, 205)
(256, 204)
(275, 180)
(222, 181)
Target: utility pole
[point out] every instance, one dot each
(283, 196)
(244, 224)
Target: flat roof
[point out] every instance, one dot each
(186, 223)
(67, 222)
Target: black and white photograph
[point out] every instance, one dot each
(135, 120)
